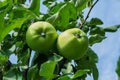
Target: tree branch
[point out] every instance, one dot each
(88, 13)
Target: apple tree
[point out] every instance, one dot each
(49, 52)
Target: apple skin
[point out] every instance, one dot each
(72, 43)
(41, 36)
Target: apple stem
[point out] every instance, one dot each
(77, 35)
(43, 34)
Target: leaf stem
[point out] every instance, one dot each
(88, 13)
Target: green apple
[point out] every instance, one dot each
(72, 43)
(41, 36)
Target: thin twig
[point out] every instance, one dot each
(88, 13)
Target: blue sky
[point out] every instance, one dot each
(109, 50)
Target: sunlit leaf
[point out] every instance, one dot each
(54, 18)
(56, 58)
(47, 69)
(59, 19)
(80, 73)
(21, 11)
(81, 4)
(56, 7)
(35, 6)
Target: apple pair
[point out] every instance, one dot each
(72, 43)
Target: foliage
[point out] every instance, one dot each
(118, 68)
(16, 16)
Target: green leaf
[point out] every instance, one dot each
(93, 58)
(3, 59)
(95, 21)
(97, 30)
(14, 24)
(66, 10)
(59, 19)
(21, 11)
(95, 72)
(64, 78)
(3, 4)
(95, 39)
(56, 7)
(47, 70)
(80, 73)
(85, 29)
(72, 11)
(81, 4)
(32, 73)
(112, 28)
(7, 6)
(7, 43)
(13, 74)
(35, 6)
(88, 62)
(18, 15)
(19, 1)
(53, 19)
(24, 58)
(2, 14)
(56, 58)
(6, 52)
(118, 68)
